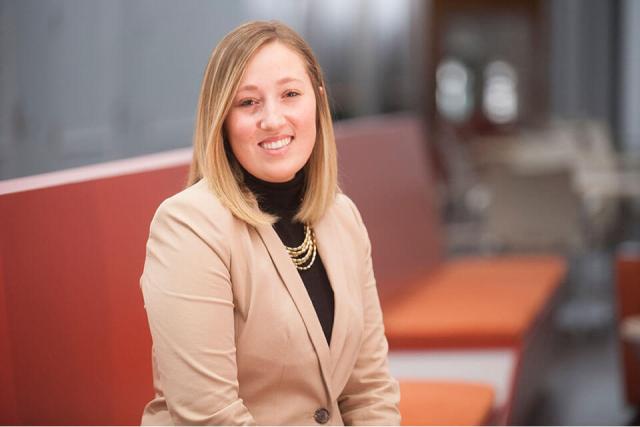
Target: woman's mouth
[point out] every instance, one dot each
(276, 145)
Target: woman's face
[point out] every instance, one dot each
(271, 126)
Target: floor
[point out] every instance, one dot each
(585, 386)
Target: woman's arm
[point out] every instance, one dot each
(189, 303)
(371, 396)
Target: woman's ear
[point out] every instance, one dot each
(321, 90)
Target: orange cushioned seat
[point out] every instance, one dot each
(445, 403)
(474, 302)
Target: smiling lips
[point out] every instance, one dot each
(277, 144)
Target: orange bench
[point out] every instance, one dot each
(495, 309)
(75, 345)
(75, 348)
(474, 302)
(445, 403)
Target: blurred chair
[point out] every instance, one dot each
(533, 212)
(557, 189)
(553, 188)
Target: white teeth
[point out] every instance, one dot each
(276, 144)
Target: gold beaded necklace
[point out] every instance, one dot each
(304, 255)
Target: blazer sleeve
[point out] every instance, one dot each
(189, 303)
(371, 396)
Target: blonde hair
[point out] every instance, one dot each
(216, 163)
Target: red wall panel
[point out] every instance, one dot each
(378, 156)
(76, 332)
(8, 407)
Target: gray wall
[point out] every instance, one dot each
(595, 64)
(629, 101)
(85, 81)
(582, 49)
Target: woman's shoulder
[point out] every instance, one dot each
(195, 205)
(346, 209)
(347, 218)
(345, 215)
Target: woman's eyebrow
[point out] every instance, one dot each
(279, 82)
(248, 87)
(288, 79)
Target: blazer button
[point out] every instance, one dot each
(321, 416)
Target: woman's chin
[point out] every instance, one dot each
(279, 178)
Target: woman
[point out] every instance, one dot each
(258, 283)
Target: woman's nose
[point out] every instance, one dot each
(272, 117)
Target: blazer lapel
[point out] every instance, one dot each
(333, 257)
(300, 297)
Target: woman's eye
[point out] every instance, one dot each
(247, 102)
(291, 94)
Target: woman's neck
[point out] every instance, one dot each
(278, 198)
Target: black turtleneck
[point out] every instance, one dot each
(283, 200)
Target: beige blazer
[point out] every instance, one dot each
(236, 339)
